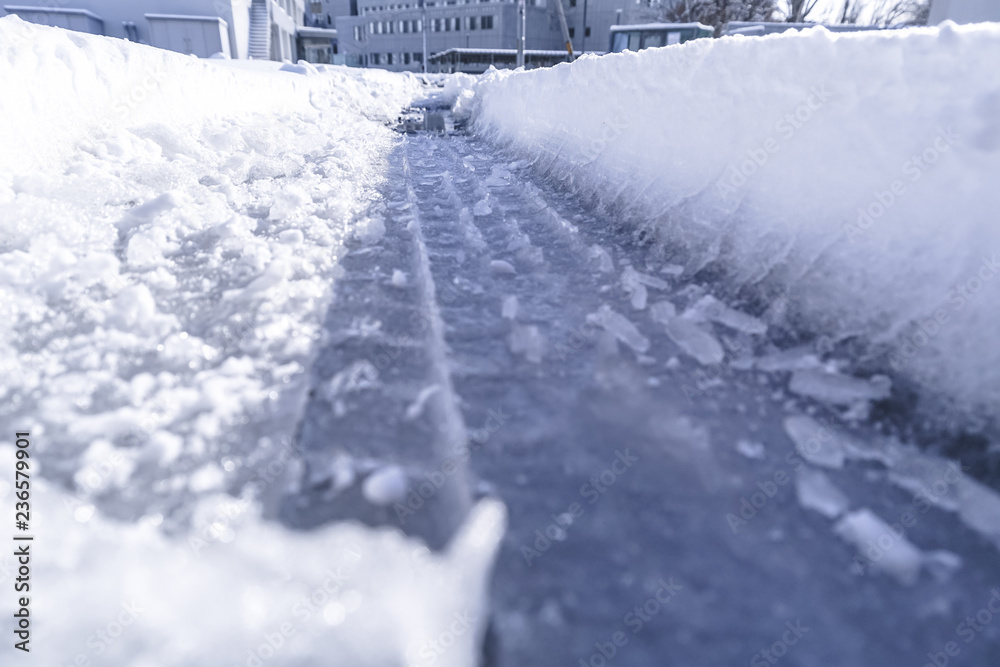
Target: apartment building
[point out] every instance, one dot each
(389, 34)
(261, 29)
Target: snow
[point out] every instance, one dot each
(239, 587)
(853, 172)
(170, 230)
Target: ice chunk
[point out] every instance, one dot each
(662, 311)
(509, 308)
(933, 480)
(416, 408)
(399, 278)
(750, 449)
(672, 269)
(817, 443)
(816, 492)
(884, 547)
(979, 508)
(942, 564)
(632, 277)
(838, 389)
(529, 341)
(482, 207)
(635, 283)
(356, 377)
(711, 309)
(502, 267)
(600, 259)
(385, 486)
(694, 341)
(620, 327)
(788, 360)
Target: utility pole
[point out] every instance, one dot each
(583, 40)
(565, 31)
(423, 31)
(521, 25)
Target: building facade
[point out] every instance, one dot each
(261, 29)
(389, 34)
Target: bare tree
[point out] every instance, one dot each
(888, 13)
(851, 12)
(717, 13)
(799, 10)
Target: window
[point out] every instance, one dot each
(473, 21)
(487, 22)
(406, 58)
(418, 57)
(572, 33)
(586, 32)
(674, 37)
(572, 3)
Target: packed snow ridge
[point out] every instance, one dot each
(852, 176)
(169, 234)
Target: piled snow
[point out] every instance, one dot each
(855, 173)
(169, 236)
(240, 591)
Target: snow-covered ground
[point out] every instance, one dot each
(173, 230)
(169, 235)
(853, 175)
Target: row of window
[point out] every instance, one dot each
(428, 3)
(448, 24)
(395, 58)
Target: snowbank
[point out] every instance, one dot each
(855, 174)
(169, 235)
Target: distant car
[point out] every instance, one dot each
(649, 35)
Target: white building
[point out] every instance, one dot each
(390, 34)
(261, 29)
(964, 11)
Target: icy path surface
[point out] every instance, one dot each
(680, 491)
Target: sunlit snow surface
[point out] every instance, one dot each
(169, 232)
(852, 176)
